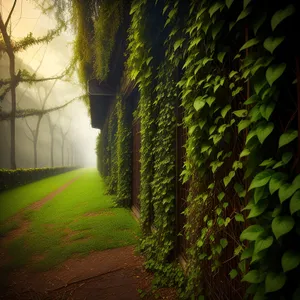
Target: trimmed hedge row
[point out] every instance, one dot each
(13, 178)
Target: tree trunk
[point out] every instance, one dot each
(13, 163)
(35, 153)
(62, 153)
(51, 150)
(13, 77)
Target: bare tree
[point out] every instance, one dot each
(63, 141)
(35, 131)
(11, 47)
(52, 127)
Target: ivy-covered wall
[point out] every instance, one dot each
(113, 149)
(233, 66)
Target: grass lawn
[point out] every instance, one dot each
(79, 220)
(13, 200)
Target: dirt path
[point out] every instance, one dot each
(25, 224)
(110, 274)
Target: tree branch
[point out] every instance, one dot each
(30, 40)
(10, 13)
(24, 113)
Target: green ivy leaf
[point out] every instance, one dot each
(200, 243)
(246, 2)
(276, 211)
(254, 276)
(243, 124)
(237, 165)
(228, 178)
(281, 14)
(260, 293)
(244, 14)
(212, 129)
(286, 191)
(271, 43)
(258, 22)
(259, 85)
(268, 163)
(253, 99)
(281, 225)
(274, 72)
(295, 203)
(216, 29)
(267, 109)
(258, 257)
(223, 243)
(251, 233)
(261, 179)
(228, 3)
(250, 43)
(227, 221)
(276, 181)
(221, 196)
(287, 137)
(241, 113)
(204, 148)
(214, 8)
(248, 252)
(225, 110)
(260, 193)
(258, 209)
(290, 260)
(262, 244)
(221, 56)
(233, 273)
(264, 130)
(178, 44)
(274, 281)
(239, 218)
(245, 152)
(279, 164)
(199, 103)
(239, 190)
(286, 157)
(210, 101)
(232, 73)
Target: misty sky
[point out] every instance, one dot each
(56, 56)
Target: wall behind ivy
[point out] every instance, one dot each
(234, 63)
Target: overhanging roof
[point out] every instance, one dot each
(101, 95)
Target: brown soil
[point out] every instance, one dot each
(37, 205)
(99, 213)
(70, 233)
(115, 274)
(24, 224)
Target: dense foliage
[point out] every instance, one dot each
(232, 67)
(95, 23)
(13, 178)
(224, 53)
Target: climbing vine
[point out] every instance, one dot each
(232, 66)
(140, 68)
(123, 156)
(228, 143)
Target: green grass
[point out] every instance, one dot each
(13, 200)
(63, 226)
(8, 226)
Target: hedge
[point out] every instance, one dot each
(13, 178)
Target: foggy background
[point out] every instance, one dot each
(73, 120)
